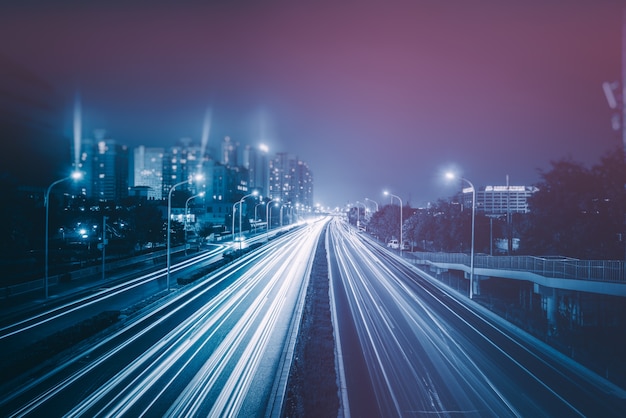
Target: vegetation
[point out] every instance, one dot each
(578, 212)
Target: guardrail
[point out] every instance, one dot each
(91, 271)
(557, 267)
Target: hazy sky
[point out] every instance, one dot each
(372, 95)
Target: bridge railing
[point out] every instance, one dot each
(558, 267)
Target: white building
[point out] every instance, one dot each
(500, 200)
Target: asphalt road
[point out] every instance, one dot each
(218, 347)
(421, 349)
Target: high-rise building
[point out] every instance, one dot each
(148, 170)
(229, 152)
(179, 164)
(290, 180)
(256, 162)
(104, 163)
(304, 181)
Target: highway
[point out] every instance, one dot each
(218, 347)
(412, 347)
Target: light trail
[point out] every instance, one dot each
(230, 325)
(429, 351)
(57, 312)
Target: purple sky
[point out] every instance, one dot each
(372, 95)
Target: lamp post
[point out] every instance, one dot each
(400, 200)
(268, 217)
(452, 176)
(76, 175)
(233, 226)
(254, 193)
(358, 213)
(282, 205)
(255, 215)
(201, 194)
(374, 202)
(198, 177)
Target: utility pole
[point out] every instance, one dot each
(615, 92)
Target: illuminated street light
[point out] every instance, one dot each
(198, 177)
(268, 217)
(374, 202)
(201, 194)
(358, 213)
(255, 215)
(240, 203)
(397, 197)
(282, 205)
(452, 176)
(76, 175)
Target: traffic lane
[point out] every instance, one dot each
(409, 374)
(91, 301)
(360, 392)
(153, 335)
(531, 375)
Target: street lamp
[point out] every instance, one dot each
(282, 205)
(397, 197)
(255, 215)
(76, 175)
(451, 176)
(358, 213)
(374, 202)
(198, 177)
(240, 203)
(268, 217)
(201, 194)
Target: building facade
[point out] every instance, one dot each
(290, 181)
(148, 170)
(105, 164)
(500, 200)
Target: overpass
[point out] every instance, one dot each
(551, 277)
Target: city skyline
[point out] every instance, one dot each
(373, 97)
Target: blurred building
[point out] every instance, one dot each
(500, 200)
(255, 160)
(290, 180)
(105, 164)
(179, 164)
(148, 170)
(229, 155)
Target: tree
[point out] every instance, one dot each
(385, 224)
(578, 212)
(147, 223)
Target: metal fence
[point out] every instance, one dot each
(558, 267)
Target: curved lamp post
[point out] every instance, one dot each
(201, 194)
(452, 176)
(280, 213)
(240, 202)
(374, 202)
(358, 213)
(198, 177)
(268, 217)
(76, 175)
(397, 197)
(255, 215)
